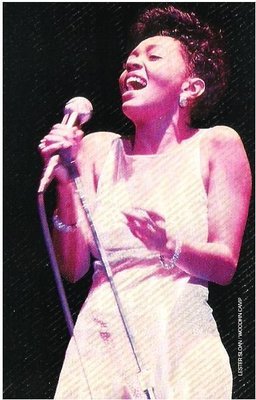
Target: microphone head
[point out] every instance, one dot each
(80, 105)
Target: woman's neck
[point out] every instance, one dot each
(155, 137)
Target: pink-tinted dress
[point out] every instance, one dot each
(174, 332)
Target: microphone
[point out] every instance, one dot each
(83, 109)
(77, 111)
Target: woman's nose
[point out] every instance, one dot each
(133, 64)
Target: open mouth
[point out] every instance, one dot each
(135, 83)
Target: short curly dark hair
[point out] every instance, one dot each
(205, 56)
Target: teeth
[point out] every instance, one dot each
(134, 82)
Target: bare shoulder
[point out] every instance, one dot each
(95, 146)
(224, 143)
(221, 135)
(99, 140)
(226, 152)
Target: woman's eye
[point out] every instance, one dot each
(154, 57)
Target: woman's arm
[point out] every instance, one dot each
(228, 202)
(73, 247)
(229, 189)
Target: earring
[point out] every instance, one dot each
(183, 101)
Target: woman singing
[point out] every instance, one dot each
(170, 207)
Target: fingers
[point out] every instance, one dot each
(135, 221)
(60, 136)
(52, 148)
(151, 231)
(135, 216)
(144, 216)
(67, 137)
(141, 225)
(155, 217)
(51, 139)
(65, 131)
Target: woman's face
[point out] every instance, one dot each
(151, 82)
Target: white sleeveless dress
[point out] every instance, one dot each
(175, 335)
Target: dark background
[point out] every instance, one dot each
(53, 52)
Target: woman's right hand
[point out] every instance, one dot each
(60, 137)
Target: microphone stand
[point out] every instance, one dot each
(71, 167)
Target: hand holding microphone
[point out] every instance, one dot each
(62, 143)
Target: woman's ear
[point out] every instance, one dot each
(193, 88)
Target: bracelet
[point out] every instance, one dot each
(171, 263)
(61, 227)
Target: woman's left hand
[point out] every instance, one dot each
(147, 226)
